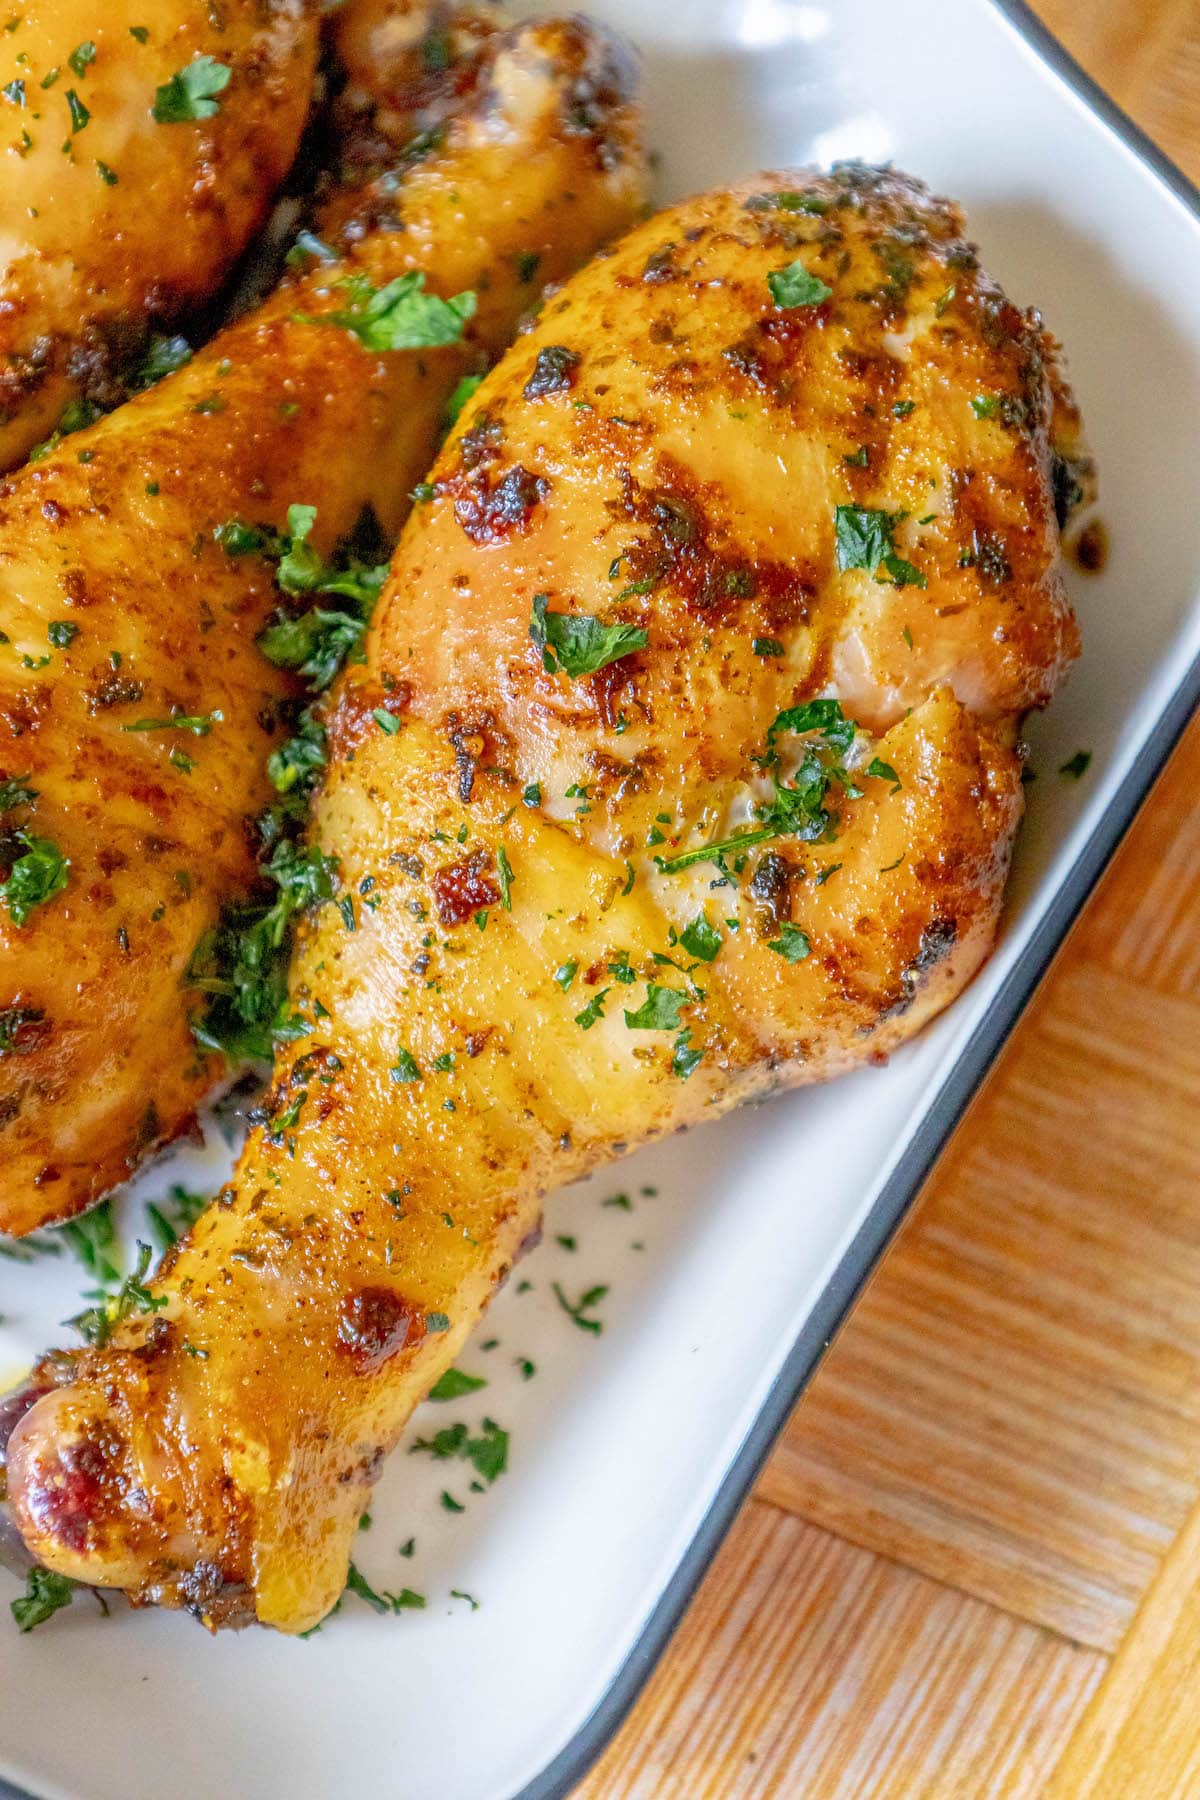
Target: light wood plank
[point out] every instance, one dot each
(1140, 1737)
(1015, 1405)
(809, 1667)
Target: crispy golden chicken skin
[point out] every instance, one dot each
(140, 148)
(611, 857)
(123, 612)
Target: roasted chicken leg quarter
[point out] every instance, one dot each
(682, 768)
(140, 147)
(137, 709)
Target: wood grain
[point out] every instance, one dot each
(1016, 1404)
(797, 1638)
(994, 1483)
(1141, 1738)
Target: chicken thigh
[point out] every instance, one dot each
(683, 767)
(140, 148)
(136, 708)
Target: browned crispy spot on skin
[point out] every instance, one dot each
(353, 718)
(23, 1029)
(490, 512)
(937, 941)
(217, 1600)
(679, 547)
(374, 1325)
(67, 1501)
(553, 372)
(466, 887)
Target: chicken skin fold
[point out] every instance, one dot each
(137, 710)
(682, 768)
(140, 148)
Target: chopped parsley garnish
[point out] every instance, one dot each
(565, 974)
(199, 724)
(406, 1068)
(98, 1323)
(357, 1583)
(700, 939)
(578, 1310)
(295, 767)
(387, 722)
(315, 643)
(400, 316)
(505, 873)
(987, 406)
(61, 632)
(884, 772)
(864, 541)
(464, 391)
(33, 877)
(15, 792)
(454, 1384)
(171, 1217)
(797, 809)
(242, 964)
(578, 643)
(92, 1238)
(77, 415)
(487, 1453)
(593, 1011)
(684, 1058)
(78, 111)
(767, 647)
(622, 970)
(659, 1011)
(45, 1594)
(792, 943)
(162, 356)
(794, 286)
(81, 57)
(191, 92)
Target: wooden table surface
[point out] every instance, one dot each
(972, 1567)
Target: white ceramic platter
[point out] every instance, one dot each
(631, 1448)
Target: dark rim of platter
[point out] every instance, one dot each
(571, 1763)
